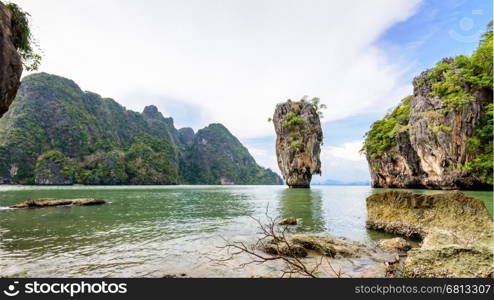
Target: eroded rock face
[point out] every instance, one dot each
(440, 139)
(456, 229)
(432, 146)
(186, 135)
(298, 142)
(53, 168)
(10, 61)
(399, 167)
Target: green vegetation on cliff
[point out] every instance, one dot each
(54, 133)
(456, 82)
(217, 157)
(481, 143)
(53, 166)
(295, 124)
(450, 78)
(23, 39)
(381, 137)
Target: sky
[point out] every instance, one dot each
(232, 61)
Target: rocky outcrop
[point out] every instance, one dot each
(217, 157)
(53, 168)
(431, 148)
(10, 61)
(298, 246)
(298, 141)
(444, 254)
(47, 202)
(441, 136)
(186, 135)
(397, 245)
(290, 221)
(456, 230)
(398, 167)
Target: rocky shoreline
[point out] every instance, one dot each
(456, 232)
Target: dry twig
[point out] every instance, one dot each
(275, 236)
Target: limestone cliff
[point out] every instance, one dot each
(53, 168)
(10, 60)
(55, 133)
(186, 135)
(441, 136)
(215, 156)
(298, 141)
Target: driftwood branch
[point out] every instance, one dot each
(276, 236)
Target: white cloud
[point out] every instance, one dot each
(344, 162)
(230, 61)
(348, 151)
(265, 158)
(233, 60)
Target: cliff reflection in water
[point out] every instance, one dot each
(305, 204)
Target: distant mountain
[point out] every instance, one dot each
(54, 133)
(338, 182)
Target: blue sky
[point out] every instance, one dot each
(231, 62)
(439, 29)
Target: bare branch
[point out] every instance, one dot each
(275, 236)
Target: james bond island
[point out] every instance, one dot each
(298, 141)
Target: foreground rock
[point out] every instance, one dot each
(288, 221)
(441, 136)
(47, 202)
(299, 245)
(10, 60)
(445, 255)
(456, 229)
(298, 141)
(397, 245)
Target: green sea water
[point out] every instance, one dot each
(151, 231)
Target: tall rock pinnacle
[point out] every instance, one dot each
(298, 141)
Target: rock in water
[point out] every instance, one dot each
(397, 245)
(298, 246)
(298, 141)
(10, 61)
(288, 221)
(47, 202)
(456, 229)
(441, 136)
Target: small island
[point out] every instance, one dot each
(298, 140)
(49, 202)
